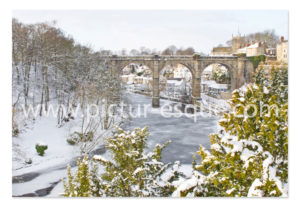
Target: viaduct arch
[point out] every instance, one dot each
(240, 68)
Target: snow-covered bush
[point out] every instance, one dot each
(140, 73)
(72, 141)
(99, 102)
(249, 157)
(77, 137)
(15, 131)
(28, 161)
(78, 185)
(41, 148)
(220, 75)
(131, 172)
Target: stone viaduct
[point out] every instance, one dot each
(240, 69)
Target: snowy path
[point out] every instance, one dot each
(185, 135)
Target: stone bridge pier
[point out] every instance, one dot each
(240, 69)
(155, 84)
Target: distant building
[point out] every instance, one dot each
(136, 69)
(126, 70)
(255, 49)
(271, 52)
(241, 46)
(237, 43)
(210, 87)
(219, 51)
(182, 72)
(173, 87)
(282, 50)
(207, 73)
(129, 79)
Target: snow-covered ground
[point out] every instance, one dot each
(46, 131)
(45, 173)
(46, 169)
(49, 168)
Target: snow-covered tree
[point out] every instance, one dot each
(220, 74)
(86, 181)
(132, 171)
(49, 67)
(78, 185)
(249, 157)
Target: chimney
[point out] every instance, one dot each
(259, 44)
(281, 39)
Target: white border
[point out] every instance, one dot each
(5, 103)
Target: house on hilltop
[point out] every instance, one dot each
(282, 50)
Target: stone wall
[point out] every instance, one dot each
(221, 51)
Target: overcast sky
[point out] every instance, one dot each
(118, 29)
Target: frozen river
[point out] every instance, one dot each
(185, 133)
